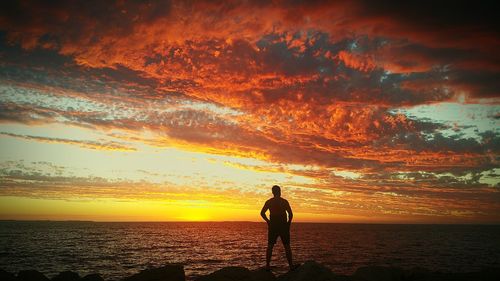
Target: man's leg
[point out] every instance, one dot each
(285, 238)
(269, 253)
(288, 251)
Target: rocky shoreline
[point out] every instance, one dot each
(308, 271)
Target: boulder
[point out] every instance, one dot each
(6, 276)
(237, 273)
(92, 277)
(379, 273)
(261, 275)
(172, 272)
(231, 273)
(486, 274)
(489, 273)
(66, 276)
(421, 274)
(31, 275)
(311, 271)
(384, 273)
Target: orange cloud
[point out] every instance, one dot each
(360, 62)
(286, 82)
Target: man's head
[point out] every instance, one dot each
(276, 191)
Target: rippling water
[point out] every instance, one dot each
(117, 249)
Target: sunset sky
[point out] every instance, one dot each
(363, 111)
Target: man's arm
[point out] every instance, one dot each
(263, 212)
(289, 211)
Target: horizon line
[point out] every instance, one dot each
(246, 221)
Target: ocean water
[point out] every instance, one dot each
(116, 250)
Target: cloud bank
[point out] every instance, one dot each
(324, 84)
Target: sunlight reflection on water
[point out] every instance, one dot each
(116, 250)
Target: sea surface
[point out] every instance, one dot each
(116, 250)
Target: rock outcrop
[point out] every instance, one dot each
(172, 272)
(66, 276)
(6, 276)
(92, 277)
(31, 275)
(238, 273)
(309, 271)
(384, 273)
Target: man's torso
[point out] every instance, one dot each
(277, 209)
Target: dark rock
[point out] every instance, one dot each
(419, 273)
(173, 272)
(490, 274)
(227, 274)
(236, 273)
(31, 275)
(66, 276)
(92, 277)
(6, 276)
(311, 271)
(379, 273)
(382, 273)
(261, 275)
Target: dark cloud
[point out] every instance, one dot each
(77, 20)
(426, 15)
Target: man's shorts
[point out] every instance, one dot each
(282, 230)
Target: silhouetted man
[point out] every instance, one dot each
(278, 225)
